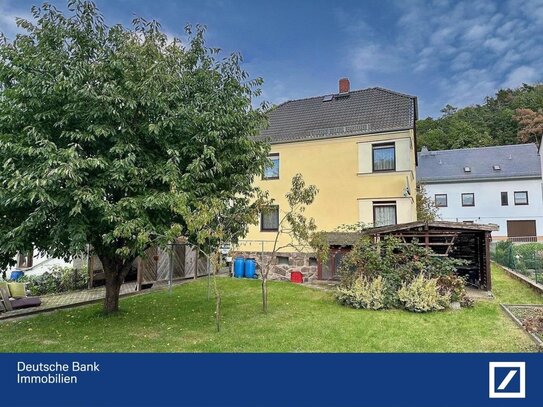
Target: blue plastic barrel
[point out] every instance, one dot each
(250, 268)
(16, 274)
(239, 267)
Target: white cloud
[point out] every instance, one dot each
(497, 44)
(520, 75)
(374, 58)
(463, 50)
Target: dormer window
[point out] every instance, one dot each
(467, 169)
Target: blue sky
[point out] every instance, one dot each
(453, 52)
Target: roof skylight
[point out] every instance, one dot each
(467, 169)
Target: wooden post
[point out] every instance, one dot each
(20, 260)
(139, 273)
(488, 238)
(170, 276)
(196, 249)
(90, 267)
(30, 258)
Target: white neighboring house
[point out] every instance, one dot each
(35, 264)
(500, 185)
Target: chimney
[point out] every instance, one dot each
(424, 150)
(344, 85)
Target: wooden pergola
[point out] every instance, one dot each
(466, 241)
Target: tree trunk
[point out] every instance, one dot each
(114, 281)
(217, 292)
(264, 294)
(115, 270)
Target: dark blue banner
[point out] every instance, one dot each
(275, 380)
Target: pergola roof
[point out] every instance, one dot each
(350, 238)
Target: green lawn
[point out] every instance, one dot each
(300, 320)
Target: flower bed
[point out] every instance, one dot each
(529, 317)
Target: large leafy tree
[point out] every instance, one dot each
(112, 136)
(509, 117)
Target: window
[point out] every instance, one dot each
(441, 200)
(468, 199)
(505, 199)
(521, 197)
(283, 260)
(272, 172)
(384, 213)
(384, 157)
(269, 219)
(313, 261)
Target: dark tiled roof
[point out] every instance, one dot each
(361, 112)
(514, 161)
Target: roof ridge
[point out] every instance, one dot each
(352, 91)
(393, 92)
(476, 148)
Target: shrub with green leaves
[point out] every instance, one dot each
(396, 263)
(422, 295)
(363, 293)
(504, 253)
(58, 279)
(453, 285)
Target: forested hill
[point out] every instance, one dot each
(510, 117)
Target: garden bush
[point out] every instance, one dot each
(397, 264)
(504, 253)
(423, 295)
(521, 256)
(363, 293)
(58, 279)
(455, 287)
(528, 256)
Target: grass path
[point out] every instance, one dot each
(300, 320)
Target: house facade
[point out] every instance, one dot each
(357, 147)
(501, 185)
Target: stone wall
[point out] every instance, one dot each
(303, 262)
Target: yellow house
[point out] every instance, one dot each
(357, 147)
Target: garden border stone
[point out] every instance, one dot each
(533, 336)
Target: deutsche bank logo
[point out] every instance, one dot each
(507, 380)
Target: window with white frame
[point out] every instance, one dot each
(272, 171)
(384, 213)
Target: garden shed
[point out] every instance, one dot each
(459, 240)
